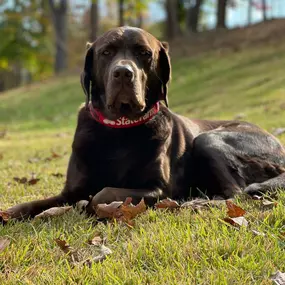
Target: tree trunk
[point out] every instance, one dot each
(193, 14)
(59, 17)
(139, 19)
(94, 15)
(249, 12)
(264, 10)
(172, 23)
(221, 14)
(121, 13)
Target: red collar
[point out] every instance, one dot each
(123, 122)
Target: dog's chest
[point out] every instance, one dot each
(121, 163)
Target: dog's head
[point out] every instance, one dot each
(126, 72)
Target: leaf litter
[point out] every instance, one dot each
(76, 256)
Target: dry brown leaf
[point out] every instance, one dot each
(54, 155)
(107, 210)
(167, 204)
(4, 242)
(24, 180)
(198, 204)
(129, 211)
(269, 204)
(234, 211)
(121, 211)
(278, 278)
(33, 181)
(97, 240)
(67, 249)
(54, 211)
(57, 175)
(238, 221)
(4, 216)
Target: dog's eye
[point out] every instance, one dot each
(106, 52)
(145, 52)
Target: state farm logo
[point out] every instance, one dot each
(123, 121)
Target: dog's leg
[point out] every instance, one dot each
(109, 194)
(31, 209)
(269, 185)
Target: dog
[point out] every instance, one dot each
(128, 143)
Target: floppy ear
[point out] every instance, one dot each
(86, 75)
(165, 70)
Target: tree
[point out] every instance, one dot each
(249, 12)
(172, 22)
(24, 44)
(94, 20)
(121, 13)
(221, 14)
(264, 6)
(59, 19)
(193, 14)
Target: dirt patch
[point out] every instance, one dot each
(270, 32)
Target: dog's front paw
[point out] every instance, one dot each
(105, 196)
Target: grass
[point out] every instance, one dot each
(163, 248)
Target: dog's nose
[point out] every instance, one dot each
(123, 72)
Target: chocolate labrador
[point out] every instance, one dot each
(128, 143)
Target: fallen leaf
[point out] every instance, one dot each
(167, 204)
(270, 204)
(97, 240)
(121, 211)
(104, 251)
(278, 278)
(54, 155)
(67, 249)
(58, 175)
(198, 204)
(4, 243)
(24, 180)
(107, 210)
(234, 211)
(127, 211)
(258, 233)
(55, 211)
(4, 216)
(33, 181)
(238, 221)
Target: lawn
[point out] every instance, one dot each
(183, 247)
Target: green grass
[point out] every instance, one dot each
(163, 248)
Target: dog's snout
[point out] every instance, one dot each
(123, 72)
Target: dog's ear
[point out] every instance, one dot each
(164, 70)
(86, 75)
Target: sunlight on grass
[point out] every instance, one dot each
(163, 248)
